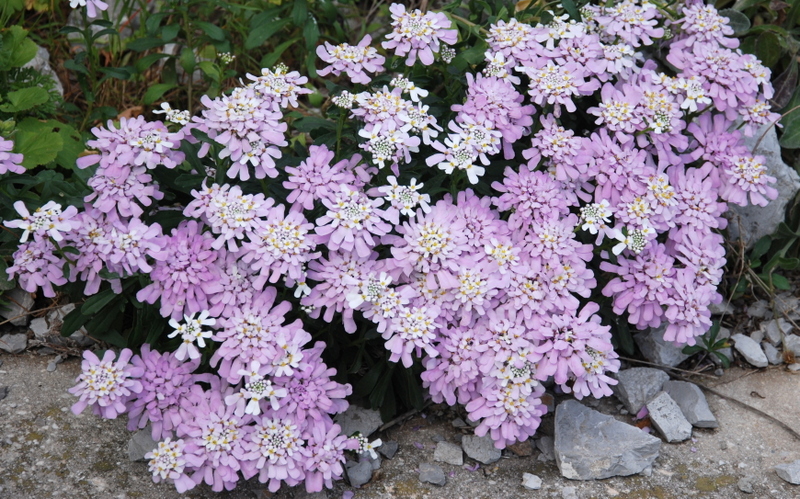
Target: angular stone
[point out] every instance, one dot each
(667, 417)
(787, 304)
(359, 473)
(140, 444)
(789, 472)
(772, 330)
(431, 473)
(545, 445)
(531, 482)
(774, 356)
(20, 303)
(750, 350)
(448, 453)
(757, 335)
(693, 403)
(41, 63)
(458, 423)
(792, 344)
(756, 221)
(40, 328)
(481, 449)
(388, 449)
(638, 385)
(590, 445)
(759, 310)
(357, 419)
(724, 308)
(14, 343)
(745, 484)
(655, 349)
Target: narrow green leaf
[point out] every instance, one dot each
(781, 282)
(768, 48)
(572, 9)
(214, 32)
(791, 132)
(299, 12)
(155, 92)
(311, 33)
(97, 302)
(260, 33)
(73, 321)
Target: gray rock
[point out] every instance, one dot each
(789, 472)
(794, 367)
(14, 343)
(458, 423)
(569, 493)
(546, 447)
(431, 473)
(759, 310)
(693, 403)
(667, 417)
(724, 308)
(59, 313)
(140, 444)
(750, 350)
(357, 419)
(448, 453)
(590, 445)
(51, 366)
(3, 392)
(772, 330)
(792, 344)
(359, 473)
(41, 63)
(745, 484)
(40, 328)
(374, 463)
(655, 349)
(20, 303)
(757, 335)
(438, 438)
(388, 449)
(774, 356)
(531, 482)
(638, 385)
(303, 494)
(786, 304)
(481, 449)
(82, 338)
(751, 223)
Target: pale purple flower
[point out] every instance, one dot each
(128, 244)
(191, 332)
(106, 385)
(279, 87)
(256, 388)
(412, 331)
(558, 84)
(165, 381)
(351, 222)
(355, 60)
(9, 161)
(46, 221)
(418, 35)
(93, 7)
(453, 375)
(457, 153)
(238, 285)
(757, 115)
(324, 456)
(514, 40)
(531, 195)
(273, 452)
(90, 239)
(35, 265)
(118, 189)
(404, 199)
(702, 23)
(230, 213)
(743, 176)
(633, 22)
(213, 437)
(316, 178)
(687, 308)
(167, 462)
(560, 146)
(185, 276)
(696, 193)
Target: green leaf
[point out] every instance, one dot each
(740, 5)
(309, 123)
(214, 32)
(691, 350)
(145, 62)
(311, 33)
(781, 282)
(146, 43)
(269, 60)
(365, 385)
(299, 12)
(791, 132)
(724, 360)
(768, 48)
(24, 99)
(73, 321)
(760, 248)
(97, 302)
(37, 142)
(156, 91)
(572, 9)
(168, 33)
(122, 73)
(5, 283)
(738, 21)
(73, 146)
(188, 61)
(260, 33)
(210, 69)
(785, 84)
(16, 49)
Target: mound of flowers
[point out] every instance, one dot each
(586, 166)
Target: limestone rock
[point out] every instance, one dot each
(750, 350)
(772, 330)
(140, 444)
(759, 310)
(774, 356)
(388, 449)
(531, 482)
(357, 419)
(359, 473)
(20, 302)
(40, 328)
(590, 445)
(545, 445)
(638, 385)
(792, 343)
(448, 453)
(431, 473)
(693, 403)
(756, 221)
(789, 472)
(481, 449)
(667, 417)
(14, 343)
(655, 349)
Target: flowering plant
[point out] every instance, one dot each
(474, 224)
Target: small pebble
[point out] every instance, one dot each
(438, 438)
(723, 445)
(719, 372)
(745, 484)
(794, 367)
(569, 493)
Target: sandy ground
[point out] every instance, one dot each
(46, 451)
